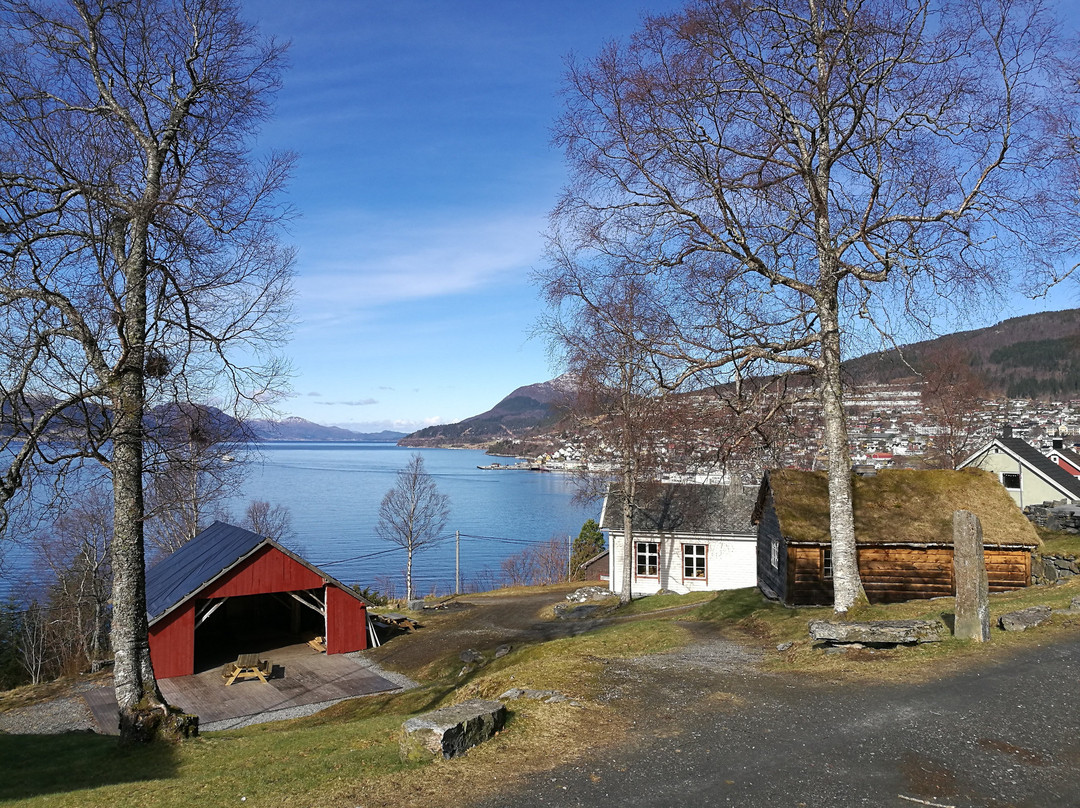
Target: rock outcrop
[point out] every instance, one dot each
(450, 731)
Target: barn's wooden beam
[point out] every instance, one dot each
(310, 601)
(208, 609)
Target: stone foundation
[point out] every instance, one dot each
(1047, 569)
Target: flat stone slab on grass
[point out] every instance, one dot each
(877, 632)
(1025, 618)
(450, 731)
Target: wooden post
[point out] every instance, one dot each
(972, 619)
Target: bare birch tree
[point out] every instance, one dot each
(413, 514)
(139, 261)
(953, 400)
(196, 461)
(795, 173)
(271, 521)
(602, 326)
(74, 556)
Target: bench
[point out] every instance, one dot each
(247, 666)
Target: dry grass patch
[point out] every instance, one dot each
(538, 737)
(574, 665)
(1058, 543)
(46, 691)
(769, 624)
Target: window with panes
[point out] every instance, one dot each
(694, 561)
(648, 559)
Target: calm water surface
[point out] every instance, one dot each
(333, 491)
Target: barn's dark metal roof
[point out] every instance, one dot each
(194, 565)
(686, 508)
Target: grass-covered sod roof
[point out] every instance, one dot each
(901, 506)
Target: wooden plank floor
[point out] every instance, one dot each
(300, 676)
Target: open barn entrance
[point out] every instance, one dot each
(255, 624)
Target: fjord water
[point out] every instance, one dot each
(333, 491)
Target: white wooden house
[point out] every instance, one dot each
(686, 538)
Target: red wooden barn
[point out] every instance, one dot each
(229, 591)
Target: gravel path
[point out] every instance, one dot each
(70, 713)
(999, 735)
(66, 714)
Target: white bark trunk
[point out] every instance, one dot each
(847, 584)
(133, 673)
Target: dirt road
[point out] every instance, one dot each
(725, 734)
(481, 622)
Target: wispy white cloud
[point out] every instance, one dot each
(364, 262)
(367, 402)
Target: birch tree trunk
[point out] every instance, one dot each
(846, 581)
(627, 499)
(139, 264)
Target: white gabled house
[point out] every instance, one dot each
(687, 538)
(1028, 475)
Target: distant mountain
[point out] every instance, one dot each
(525, 410)
(299, 429)
(1034, 356)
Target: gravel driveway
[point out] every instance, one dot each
(66, 714)
(727, 735)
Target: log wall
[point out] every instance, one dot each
(891, 574)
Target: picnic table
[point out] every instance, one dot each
(247, 666)
(396, 620)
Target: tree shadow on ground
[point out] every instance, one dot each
(35, 765)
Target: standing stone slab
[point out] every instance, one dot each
(450, 731)
(972, 621)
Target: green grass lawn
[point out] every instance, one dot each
(348, 754)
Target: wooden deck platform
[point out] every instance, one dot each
(300, 676)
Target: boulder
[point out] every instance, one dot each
(502, 651)
(877, 632)
(564, 611)
(587, 593)
(1024, 618)
(450, 731)
(470, 656)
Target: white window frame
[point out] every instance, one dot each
(1019, 480)
(696, 553)
(774, 554)
(643, 552)
(826, 563)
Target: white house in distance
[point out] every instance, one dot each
(687, 538)
(1028, 475)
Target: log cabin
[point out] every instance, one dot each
(903, 533)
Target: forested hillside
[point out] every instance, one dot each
(1034, 356)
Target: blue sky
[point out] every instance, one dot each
(425, 178)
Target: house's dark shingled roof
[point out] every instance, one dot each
(687, 508)
(1069, 455)
(1045, 466)
(195, 564)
